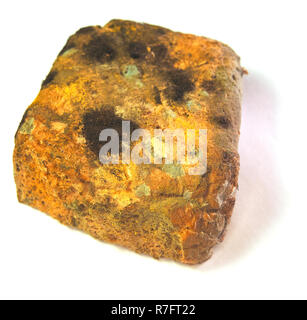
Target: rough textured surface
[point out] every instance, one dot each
(155, 78)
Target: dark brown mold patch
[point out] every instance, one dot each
(160, 52)
(222, 121)
(95, 121)
(228, 156)
(100, 49)
(50, 78)
(137, 50)
(179, 83)
(157, 96)
(209, 85)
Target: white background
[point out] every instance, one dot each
(264, 253)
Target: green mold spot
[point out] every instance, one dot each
(173, 170)
(139, 83)
(142, 190)
(27, 127)
(204, 93)
(193, 106)
(168, 113)
(130, 71)
(69, 52)
(187, 194)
